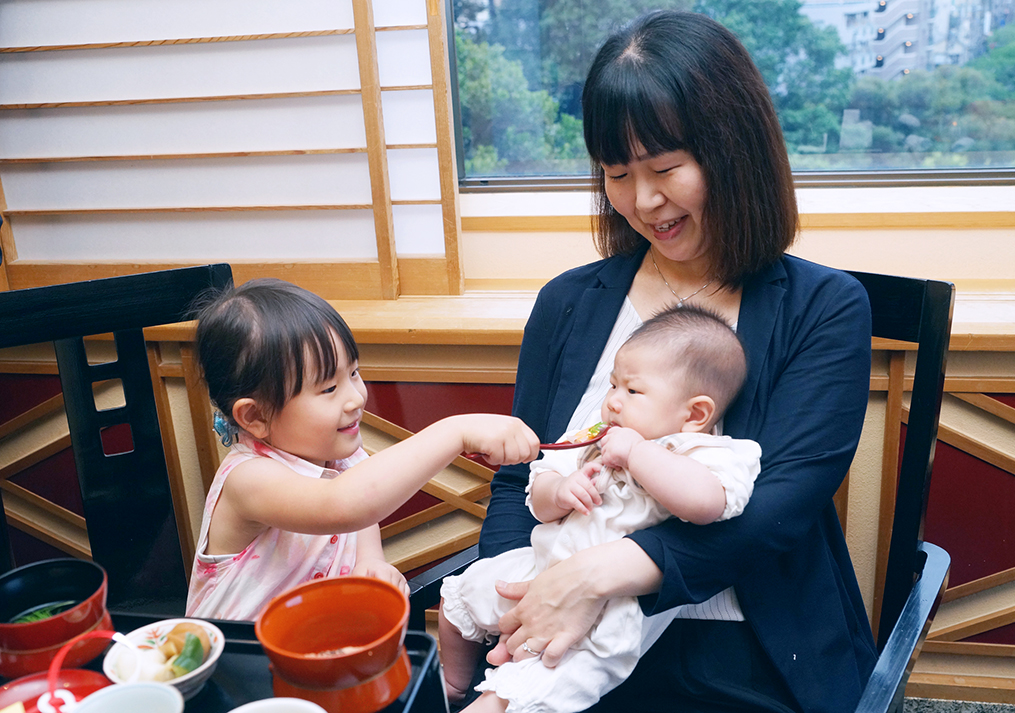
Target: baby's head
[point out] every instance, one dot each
(677, 372)
(265, 343)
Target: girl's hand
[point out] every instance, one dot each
(379, 569)
(502, 440)
(616, 446)
(577, 491)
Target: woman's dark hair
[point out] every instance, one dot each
(260, 340)
(681, 81)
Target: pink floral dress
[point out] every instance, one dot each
(238, 586)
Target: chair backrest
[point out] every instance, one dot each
(127, 498)
(920, 311)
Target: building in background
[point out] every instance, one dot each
(890, 38)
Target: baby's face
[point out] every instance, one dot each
(646, 393)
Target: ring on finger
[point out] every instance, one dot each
(525, 647)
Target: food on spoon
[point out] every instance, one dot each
(587, 434)
(185, 647)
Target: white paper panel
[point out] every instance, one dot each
(303, 64)
(419, 229)
(328, 179)
(193, 127)
(409, 117)
(395, 13)
(30, 23)
(250, 235)
(403, 58)
(414, 174)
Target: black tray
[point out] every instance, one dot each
(242, 674)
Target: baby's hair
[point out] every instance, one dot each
(705, 351)
(262, 339)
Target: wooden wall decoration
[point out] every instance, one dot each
(309, 140)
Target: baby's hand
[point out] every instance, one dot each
(577, 491)
(379, 569)
(616, 446)
(502, 440)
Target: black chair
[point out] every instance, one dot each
(919, 311)
(128, 504)
(905, 309)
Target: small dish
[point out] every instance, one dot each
(30, 646)
(150, 637)
(334, 633)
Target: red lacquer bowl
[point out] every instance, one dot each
(30, 647)
(332, 615)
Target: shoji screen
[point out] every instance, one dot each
(307, 139)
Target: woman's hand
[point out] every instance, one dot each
(560, 605)
(550, 617)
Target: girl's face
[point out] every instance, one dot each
(663, 198)
(645, 394)
(321, 423)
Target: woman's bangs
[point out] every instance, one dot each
(630, 109)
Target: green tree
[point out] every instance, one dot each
(999, 61)
(507, 128)
(797, 61)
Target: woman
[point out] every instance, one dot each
(696, 205)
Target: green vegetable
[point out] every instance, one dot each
(190, 657)
(42, 612)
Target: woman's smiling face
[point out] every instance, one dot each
(663, 199)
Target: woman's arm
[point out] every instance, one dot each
(807, 415)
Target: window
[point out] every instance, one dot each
(904, 103)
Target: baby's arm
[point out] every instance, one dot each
(264, 492)
(370, 560)
(554, 496)
(682, 485)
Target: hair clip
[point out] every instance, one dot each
(227, 431)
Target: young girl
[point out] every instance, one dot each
(297, 498)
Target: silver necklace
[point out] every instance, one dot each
(680, 300)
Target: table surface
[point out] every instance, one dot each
(242, 674)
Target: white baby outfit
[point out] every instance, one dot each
(238, 586)
(607, 655)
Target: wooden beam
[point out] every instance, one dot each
(373, 121)
(448, 166)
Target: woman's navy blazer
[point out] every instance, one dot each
(806, 331)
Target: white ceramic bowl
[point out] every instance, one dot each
(280, 705)
(151, 636)
(133, 698)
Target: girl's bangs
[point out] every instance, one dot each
(630, 108)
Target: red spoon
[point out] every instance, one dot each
(582, 438)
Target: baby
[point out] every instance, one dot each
(671, 382)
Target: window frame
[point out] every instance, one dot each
(801, 179)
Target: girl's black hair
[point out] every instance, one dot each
(263, 339)
(675, 80)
